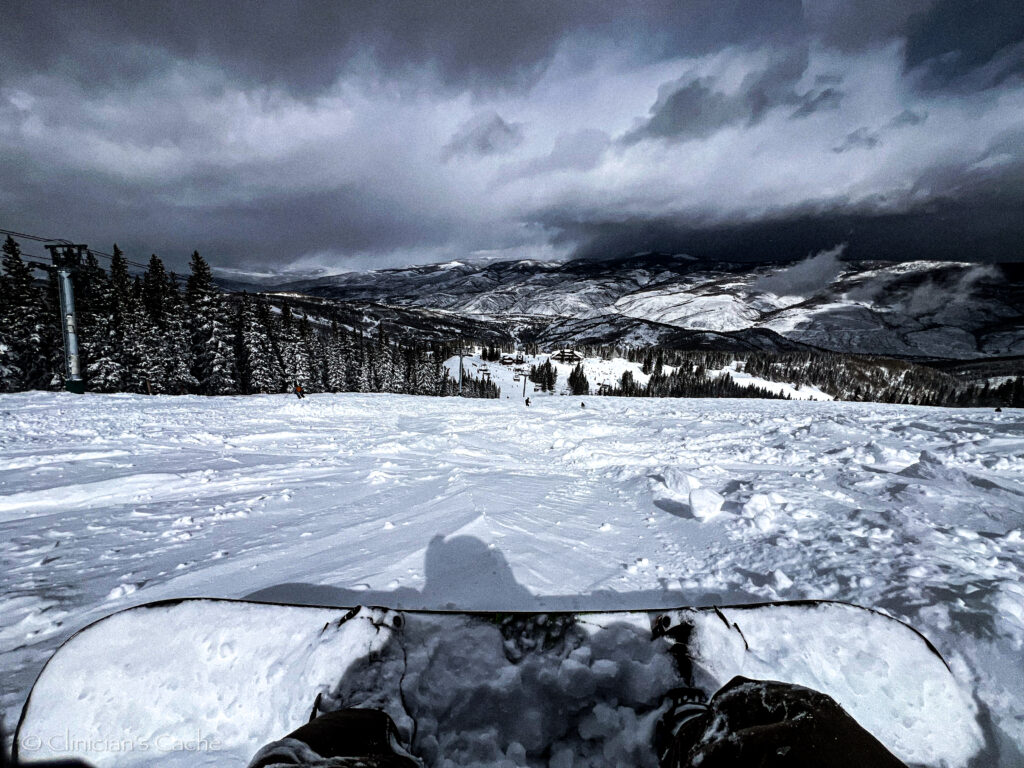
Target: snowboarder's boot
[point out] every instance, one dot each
(357, 738)
(764, 724)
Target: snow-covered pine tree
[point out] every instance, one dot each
(361, 375)
(156, 286)
(263, 368)
(273, 377)
(242, 307)
(384, 378)
(410, 361)
(178, 376)
(143, 354)
(288, 344)
(161, 321)
(101, 333)
(213, 352)
(305, 369)
(25, 361)
(429, 372)
(337, 353)
(88, 280)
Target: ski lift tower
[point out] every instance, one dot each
(463, 352)
(67, 257)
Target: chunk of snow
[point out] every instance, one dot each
(705, 503)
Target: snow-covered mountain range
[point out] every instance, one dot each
(911, 309)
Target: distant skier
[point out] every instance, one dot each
(583, 405)
(527, 401)
(299, 391)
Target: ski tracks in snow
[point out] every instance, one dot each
(110, 501)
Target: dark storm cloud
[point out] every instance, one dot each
(485, 134)
(971, 213)
(306, 45)
(945, 231)
(852, 25)
(975, 44)
(691, 108)
(265, 132)
(268, 230)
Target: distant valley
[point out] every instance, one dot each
(918, 310)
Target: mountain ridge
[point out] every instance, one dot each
(914, 309)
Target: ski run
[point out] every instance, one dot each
(110, 501)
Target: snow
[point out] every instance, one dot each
(597, 370)
(109, 501)
(601, 371)
(679, 306)
(705, 503)
(804, 392)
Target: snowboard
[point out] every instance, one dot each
(211, 681)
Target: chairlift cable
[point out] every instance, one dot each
(40, 239)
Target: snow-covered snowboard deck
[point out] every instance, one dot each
(208, 682)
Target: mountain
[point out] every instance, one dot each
(917, 309)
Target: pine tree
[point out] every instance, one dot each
(361, 374)
(27, 345)
(89, 280)
(212, 344)
(257, 366)
(384, 375)
(142, 355)
(293, 341)
(178, 378)
(336, 359)
(306, 369)
(578, 384)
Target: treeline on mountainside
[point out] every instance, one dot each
(146, 335)
(859, 378)
(688, 382)
(845, 377)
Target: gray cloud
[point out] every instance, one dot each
(852, 25)
(806, 278)
(862, 138)
(812, 102)
(389, 133)
(967, 45)
(865, 138)
(908, 117)
(577, 151)
(305, 45)
(689, 111)
(964, 210)
(484, 134)
(689, 108)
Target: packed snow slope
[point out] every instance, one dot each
(114, 500)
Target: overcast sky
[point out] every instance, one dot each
(278, 135)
